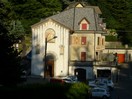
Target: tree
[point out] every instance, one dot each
(16, 29)
(31, 11)
(117, 14)
(122, 12)
(10, 67)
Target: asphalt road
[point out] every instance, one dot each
(123, 88)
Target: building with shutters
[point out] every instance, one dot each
(69, 42)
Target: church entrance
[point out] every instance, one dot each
(49, 72)
(49, 68)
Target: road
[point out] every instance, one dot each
(123, 88)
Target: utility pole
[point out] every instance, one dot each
(45, 59)
(45, 56)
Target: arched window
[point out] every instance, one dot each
(49, 34)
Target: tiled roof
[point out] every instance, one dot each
(71, 17)
(68, 19)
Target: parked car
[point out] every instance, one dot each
(99, 84)
(98, 92)
(110, 84)
(65, 79)
(103, 85)
(68, 80)
(92, 85)
(93, 81)
(74, 78)
(107, 81)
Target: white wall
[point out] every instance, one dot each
(38, 37)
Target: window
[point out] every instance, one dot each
(97, 55)
(103, 41)
(75, 40)
(99, 41)
(50, 33)
(83, 40)
(84, 26)
(83, 56)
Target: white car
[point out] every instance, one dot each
(68, 80)
(103, 85)
(92, 85)
(99, 84)
(107, 81)
(98, 92)
(74, 78)
(110, 84)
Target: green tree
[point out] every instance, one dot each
(16, 29)
(10, 67)
(122, 12)
(31, 11)
(117, 14)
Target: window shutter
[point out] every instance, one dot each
(103, 41)
(83, 56)
(100, 41)
(84, 26)
(76, 40)
(83, 41)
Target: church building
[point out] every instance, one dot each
(69, 42)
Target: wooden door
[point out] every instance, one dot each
(50, 68)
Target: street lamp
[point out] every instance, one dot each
(46, 41)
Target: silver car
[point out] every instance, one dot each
(100, 93)
(107, 81)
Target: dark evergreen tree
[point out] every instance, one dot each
(10, 61)
(10, 69)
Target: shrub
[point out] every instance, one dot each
(111, 38)
(48, 90)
